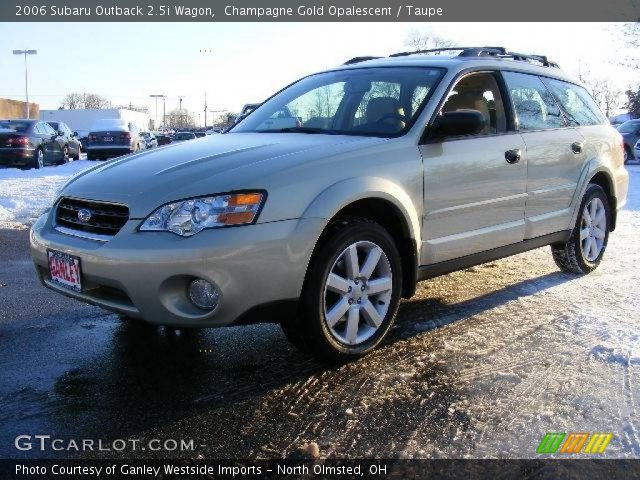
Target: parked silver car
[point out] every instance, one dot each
(400, 169)
(113, 137)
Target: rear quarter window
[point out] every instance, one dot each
(580, 108)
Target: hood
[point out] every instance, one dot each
(208, 165)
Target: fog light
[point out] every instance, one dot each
(203, 294)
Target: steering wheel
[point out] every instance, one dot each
(392, 116)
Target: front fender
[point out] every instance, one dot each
(334, 198)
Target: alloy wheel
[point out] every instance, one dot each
(357, 292)
(593, 229)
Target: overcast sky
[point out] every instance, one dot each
(246, 62)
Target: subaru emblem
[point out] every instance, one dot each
(84, 215)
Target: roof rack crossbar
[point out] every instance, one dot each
(437, 50)
(497, 52)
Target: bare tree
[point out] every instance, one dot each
(180, 119)
(425, 39)
(77, 100)
(631, 37)
(603, 91)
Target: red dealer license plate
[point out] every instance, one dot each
(65, 270)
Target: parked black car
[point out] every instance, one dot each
(29, 144)
(71, 145)
(163, 140)
(182, 136)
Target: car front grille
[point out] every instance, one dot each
(90, 216)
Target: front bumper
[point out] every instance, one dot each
(16, 156)
(145, 274)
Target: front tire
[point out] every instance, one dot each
(65, 155)
(351, 296)
(585, 248)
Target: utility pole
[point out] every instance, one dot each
(205, 110)
(180, 97)
(26, 75)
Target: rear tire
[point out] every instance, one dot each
(38, 160)
(351, 295)
(585, 248)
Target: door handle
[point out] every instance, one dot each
(513, 156)
(576, 147)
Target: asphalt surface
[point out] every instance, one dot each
(481, 363)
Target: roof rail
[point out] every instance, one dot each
(353, 60)
(497, 52)
(466, 51)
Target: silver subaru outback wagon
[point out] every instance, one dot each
(330, 201)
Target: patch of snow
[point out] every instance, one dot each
(25, 194)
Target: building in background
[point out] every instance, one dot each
(16, 109)
(83, 119)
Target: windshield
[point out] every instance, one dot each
(629, 127)
(17, 126)
(366, 101)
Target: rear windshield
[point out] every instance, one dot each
(16, 126)
(382, 101)
(109, 124)
(183, 136)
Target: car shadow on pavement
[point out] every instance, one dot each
(426, 314)
(149, 378)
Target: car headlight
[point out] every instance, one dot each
(190, 216)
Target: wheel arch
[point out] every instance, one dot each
(381, 201)
(604, 180)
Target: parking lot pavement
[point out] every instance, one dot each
(481, 363)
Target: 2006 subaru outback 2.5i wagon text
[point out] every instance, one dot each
(376, 175)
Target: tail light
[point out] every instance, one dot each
(125, 136)
(18, 141)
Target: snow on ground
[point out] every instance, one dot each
(24, 194)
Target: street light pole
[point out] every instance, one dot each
(26, 75)
(157, 96)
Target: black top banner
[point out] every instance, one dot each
(319, 11)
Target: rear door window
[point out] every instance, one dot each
(535, 107)
(578, 105)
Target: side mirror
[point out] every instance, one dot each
(74, 134)
(460, 122)
(61, 133)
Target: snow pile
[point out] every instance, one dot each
(24, 194)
